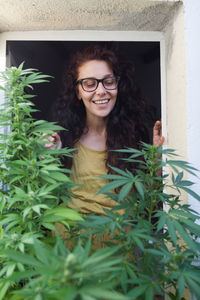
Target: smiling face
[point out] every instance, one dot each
(99, 103)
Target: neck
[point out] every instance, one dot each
(94, 136)
(96, 125)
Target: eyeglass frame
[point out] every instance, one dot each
(80, 81)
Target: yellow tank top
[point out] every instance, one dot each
(88, 164)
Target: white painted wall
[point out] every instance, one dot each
(192, 28)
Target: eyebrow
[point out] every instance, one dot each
(106, 76)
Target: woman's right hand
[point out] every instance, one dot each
(53, 141)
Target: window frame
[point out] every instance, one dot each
(91, 35)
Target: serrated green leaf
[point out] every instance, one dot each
(125, 191)
(68, 293)
(194, 287)
(130, 271)
(161, 222)
(4, 286)
(124, 280)
(10, 269)
(37, 208)
(190, 192)
(46, 178)
(117, 170)
(111, 186)
(49, 226)
(47, 127)
(186, 183)
(26, 211)
(41, 252)
(113, 177)
(149, 294)
(101, 293)
(179, 177)
(23, 258)
(66, 213)
(185, 236)
(171, 230)
(59, 176)
(137, 291)
(21, 247)
(181, 284)
(140, 188)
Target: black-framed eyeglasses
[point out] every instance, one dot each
(90, 84)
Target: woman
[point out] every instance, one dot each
(102, 111)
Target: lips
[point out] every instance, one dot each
(103, 101)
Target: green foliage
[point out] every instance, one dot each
(33, 181)
(59, 274)
(138, 254)
(160, 247)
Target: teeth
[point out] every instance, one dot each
(101, 101)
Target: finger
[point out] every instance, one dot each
(49, 145)
(52, 138)
(157, 129)
(56, 137)
(161, 141)
(157, 124)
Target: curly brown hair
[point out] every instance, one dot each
(125, 124)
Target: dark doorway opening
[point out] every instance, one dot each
(50, 57)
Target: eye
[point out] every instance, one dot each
(109, 81)
(89, 83)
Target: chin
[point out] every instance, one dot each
(103, 115)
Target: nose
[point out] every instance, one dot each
(100, 89)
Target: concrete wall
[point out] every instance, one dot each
(182, 80)
(176, 83)
(21, 15)
(192, 44)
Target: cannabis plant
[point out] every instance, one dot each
(158, 234)
(144, 248)
(34, 191)
(32, 180)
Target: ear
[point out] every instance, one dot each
(78, 94)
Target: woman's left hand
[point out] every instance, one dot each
(158, 139)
